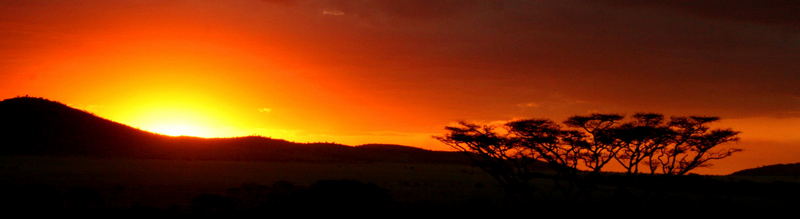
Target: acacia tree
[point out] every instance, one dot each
(544, 140)
(693, 145)
(639, 140)
(595, 138)
(491, 151)
(514, 154)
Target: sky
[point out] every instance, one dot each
(380, 71)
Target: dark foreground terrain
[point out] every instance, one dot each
(184, 187)
(38, 184)
(55, 159)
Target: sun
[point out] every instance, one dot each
(182, 116)
(181, 130)
(176, 122)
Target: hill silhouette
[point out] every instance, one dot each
(37, 126)
(771, 170)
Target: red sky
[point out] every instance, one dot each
(359, 72)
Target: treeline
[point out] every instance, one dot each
(646, 143)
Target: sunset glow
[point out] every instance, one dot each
(334, 72)
(185, 121)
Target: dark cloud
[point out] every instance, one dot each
(777, 12)
(710, 57)
(407, 10)
(411, 9)
(731, 58)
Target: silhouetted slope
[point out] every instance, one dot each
(410, 154)
(390, 147)
(771, 170)
(37, 126)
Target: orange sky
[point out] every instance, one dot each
(359, 72)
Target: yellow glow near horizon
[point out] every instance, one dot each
(164, 85)
(181, 130)
(177, 123)
(179, 114)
